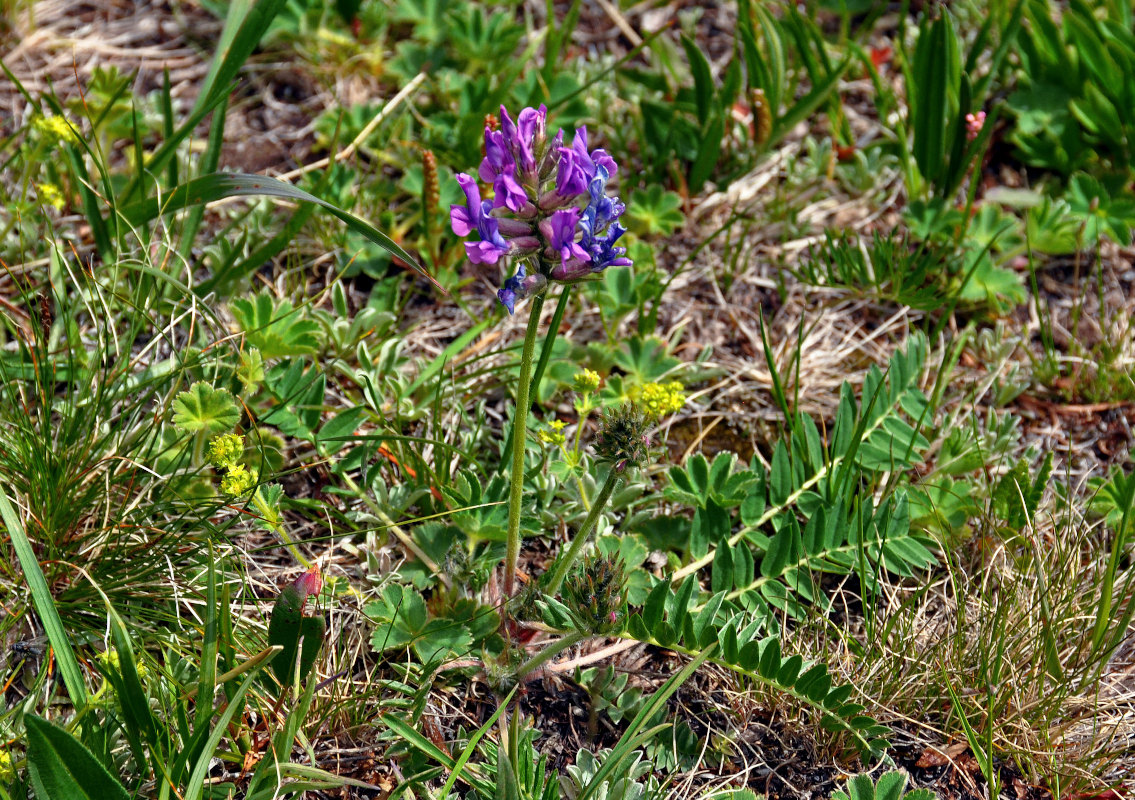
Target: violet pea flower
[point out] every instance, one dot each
(475, 217)
(560, 230)
(499, 168)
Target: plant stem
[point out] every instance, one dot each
(545, 352)
(549, 652)
(519, 441)
(584, 531)
(272, 518)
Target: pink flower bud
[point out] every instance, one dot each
(974, 124)
(311, 582)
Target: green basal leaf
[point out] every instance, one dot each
(60, 766)
(205, 409)
(275, 328)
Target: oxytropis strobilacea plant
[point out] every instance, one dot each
(550, 220)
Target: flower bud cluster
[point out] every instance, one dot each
(622, 440)
(595, 596)
(660, 399)
(224, 453)
(550, 210)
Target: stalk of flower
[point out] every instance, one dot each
(224, 453)
(550, 220)
(623, 443)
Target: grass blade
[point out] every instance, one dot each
(218, 186)
(44, 605)
(416, 739)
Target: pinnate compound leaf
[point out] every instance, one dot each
(60, 766)
(205, 409)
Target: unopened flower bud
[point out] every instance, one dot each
(511, 228)
(974, 124)
(595, 595)
(586, 381)
(311, 582)
(622, 440)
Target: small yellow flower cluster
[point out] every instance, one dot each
(110, 660)
(225, 450)
(56, 130)
(555, 436)
(586, 381)
(224, 454)
(660, 399)
(237, 480)
(7, 771)
(50, 195)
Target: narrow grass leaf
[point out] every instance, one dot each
(44, 605)
(201, 768)
(412, 737)
(218, 186)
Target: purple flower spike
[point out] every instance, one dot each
(550, 217)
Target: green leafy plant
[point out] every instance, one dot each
(1068, 106)
(947, 126)
(275, 328)
(890, 786)
(298, 636)
(687, 126)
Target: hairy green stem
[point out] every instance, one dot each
(519, 441)
(549, 652)
(271, 517)
(545, 353)
(584, 531)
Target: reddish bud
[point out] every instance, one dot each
(311, 582)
